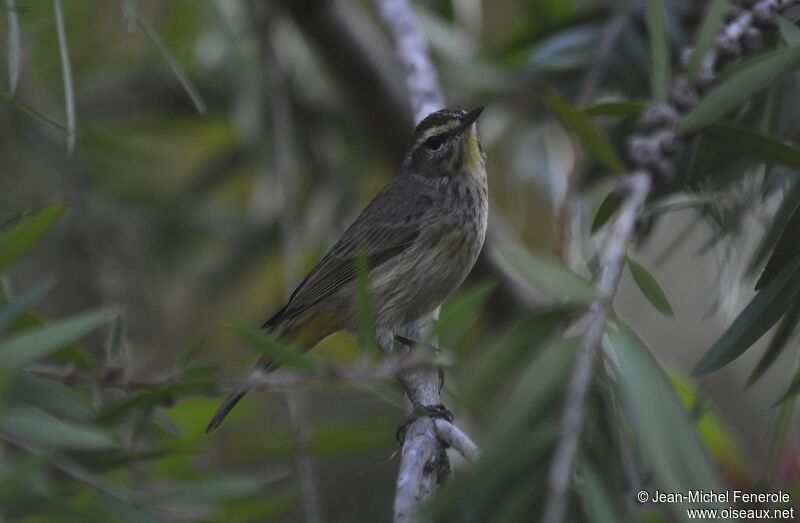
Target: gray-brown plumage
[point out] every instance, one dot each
(420, 237)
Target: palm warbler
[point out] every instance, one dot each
(420, 237)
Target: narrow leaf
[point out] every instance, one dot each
(748, 78)
(590, 135)
(550, 277)
(53, 397)
(661, 427)
(659, 49)
(763, 311)
(282, 353)
(512, 348)
(26, 235)
(678, 202)
(782, 335)
(176, 67)
(607, 208)
(30, 111)
(789, 31)
(11, 311)
(458, 315)
(786, 248)
(32, 345)
(649, 286)
(788, 209)
(150, 398)
(14, 47)
(712, 21)
(626, 108)
(66, 70)
(760, 146)
(45, 430)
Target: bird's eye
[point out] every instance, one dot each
(433, 143)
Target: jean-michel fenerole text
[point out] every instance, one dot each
(724, 496)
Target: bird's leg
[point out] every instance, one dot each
(422, 411)
(411, 344)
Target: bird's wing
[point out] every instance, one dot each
(386, 227)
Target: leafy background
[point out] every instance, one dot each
(219, 149)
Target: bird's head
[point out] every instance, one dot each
(444, 144)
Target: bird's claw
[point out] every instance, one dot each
(426, 411)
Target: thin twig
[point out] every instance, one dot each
(66, 69)
(456, 439)
(14, 46)
(613, 262)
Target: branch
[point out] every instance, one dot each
(652, 153)
(280, 380)
(456, 439)
(424, 463)
(421, 79)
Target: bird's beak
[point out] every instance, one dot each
(468, 120)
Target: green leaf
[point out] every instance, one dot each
(282, 353)
(607, 208)
(550, 277)
(659, 49)
(26, 235)
(760, 146)
(650, 288)
(42, 429)
(114, 345)
(595, 496)
(212, 491)
(11, 311)
(52, 397)
(150, 398)
(66, 71)
(782, 335)
(712, 21)
(189, 353)
(122, 509)
(590, 135)
(458, 315)
(513, 347)
(624, 108)
(33, 345)
(678, 202)
(789, 31)
(784, 214)
(30, 111)
(763, 311)
(734, 88)
(173, 63)
(785, 250)
(794, 388)
(659, 423)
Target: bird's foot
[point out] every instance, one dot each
(427, 411)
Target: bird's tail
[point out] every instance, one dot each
(302, 335)
(226, 407)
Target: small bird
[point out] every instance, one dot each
(420, 237)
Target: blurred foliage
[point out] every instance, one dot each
(219, 148)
